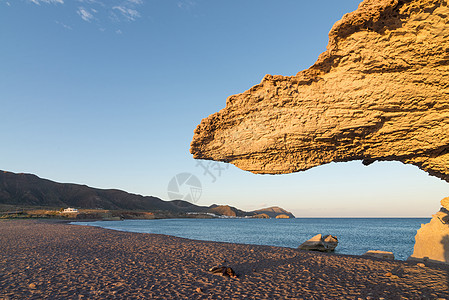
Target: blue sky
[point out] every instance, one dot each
(108, 93)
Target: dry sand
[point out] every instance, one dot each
(54, 260)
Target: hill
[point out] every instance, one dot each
(230, 211)
(28, 190)
(274, 212)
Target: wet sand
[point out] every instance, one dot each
(55, 260)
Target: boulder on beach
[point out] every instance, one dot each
(321, 243)
(380, 254)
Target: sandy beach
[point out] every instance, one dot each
(55, 260)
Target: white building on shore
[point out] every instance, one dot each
(69, 210)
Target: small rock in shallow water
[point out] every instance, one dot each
(199, 290)
(32, 286)
(388, 274)
(421, 265)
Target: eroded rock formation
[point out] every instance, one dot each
(379, 92)
(432, 240)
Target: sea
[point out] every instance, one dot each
(355, 235)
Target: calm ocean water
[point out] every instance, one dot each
(355, 236)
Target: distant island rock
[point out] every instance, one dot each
(275, 212)
(19, 191)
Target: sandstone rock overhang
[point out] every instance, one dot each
(379, 92)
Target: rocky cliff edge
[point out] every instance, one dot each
(379, 92)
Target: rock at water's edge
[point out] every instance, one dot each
(321, 243)
(432, 239)
(380, 254)
(282, 216)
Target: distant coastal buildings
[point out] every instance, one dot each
(69, 210)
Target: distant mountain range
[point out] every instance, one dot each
(28, 190)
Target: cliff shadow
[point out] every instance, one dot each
(445, 243)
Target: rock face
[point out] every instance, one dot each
(445, 203)
(379, 92)
(226, 210)
(321, 243)
(261, 216)
(282, 217)
(380, 254)
(432, 240)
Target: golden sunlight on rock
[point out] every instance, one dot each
(379, 92)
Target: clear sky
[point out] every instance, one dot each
(108, 92)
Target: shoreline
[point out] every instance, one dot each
(47, 258)
(289, 233)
